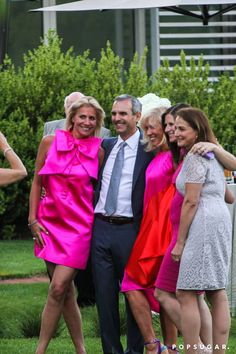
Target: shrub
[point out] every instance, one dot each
(187, 82)
(30, 325)
(35, 93)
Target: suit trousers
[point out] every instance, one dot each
(111, 247)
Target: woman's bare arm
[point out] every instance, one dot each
(224, 157)
(189, 208)
(17, 170)
(36, 189)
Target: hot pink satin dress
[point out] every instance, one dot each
(158, 177)
(67, 209)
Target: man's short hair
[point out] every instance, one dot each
(136, 105)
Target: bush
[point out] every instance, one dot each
(30, 325)
(187, 82)
(35, 93)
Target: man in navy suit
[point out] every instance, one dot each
(114, 235)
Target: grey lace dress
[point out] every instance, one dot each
(205, 260)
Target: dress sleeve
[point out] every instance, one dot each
(195, 168)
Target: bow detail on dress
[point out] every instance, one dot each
(66, 142)
(65, 149)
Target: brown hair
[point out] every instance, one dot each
(199, 122)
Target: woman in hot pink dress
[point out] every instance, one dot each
(61, 222)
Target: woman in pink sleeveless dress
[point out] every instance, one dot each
(61, 222)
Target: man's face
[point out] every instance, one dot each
(123, 118)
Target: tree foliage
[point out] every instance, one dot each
(34, 94)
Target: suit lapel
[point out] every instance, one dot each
(107, 148)
(141, 159)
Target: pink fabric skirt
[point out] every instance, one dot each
(129, 284)
(169, 271)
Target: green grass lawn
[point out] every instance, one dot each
(21, 305)
(17, 260)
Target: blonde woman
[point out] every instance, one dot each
(61, 222)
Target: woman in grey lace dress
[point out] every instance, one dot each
(204, 237)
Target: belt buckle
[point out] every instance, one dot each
(110, 220)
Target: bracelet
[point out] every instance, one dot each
(6, 150)
(32, 223)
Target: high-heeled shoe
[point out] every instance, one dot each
(173, 347)
(160, 348)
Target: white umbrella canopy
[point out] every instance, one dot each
(86, 5)
(170, 5)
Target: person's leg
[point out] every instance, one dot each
(85, 286)
(170, 304)
(122, 242)
(60, 283)
(190, 320)
(206, 321)
(142, 313)
(169, 330)
(106, 287)
(72, 317)
(71, 314)
(220, 319)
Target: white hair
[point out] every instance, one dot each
(71, 98)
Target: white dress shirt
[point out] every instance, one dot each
(124, 207)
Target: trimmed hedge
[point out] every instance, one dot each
(34, 94)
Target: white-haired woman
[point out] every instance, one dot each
(17, 170)
(61, 222)
(154, 235)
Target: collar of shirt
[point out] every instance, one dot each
(132, 141)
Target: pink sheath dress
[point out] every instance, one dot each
(169, 270)
(67, 209)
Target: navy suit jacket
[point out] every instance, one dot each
(143, 158)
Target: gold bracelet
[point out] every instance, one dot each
(6, 150)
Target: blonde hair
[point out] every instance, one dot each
(154, 115)
(87, 101)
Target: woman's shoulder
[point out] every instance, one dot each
(46, 141)
(196, 158)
